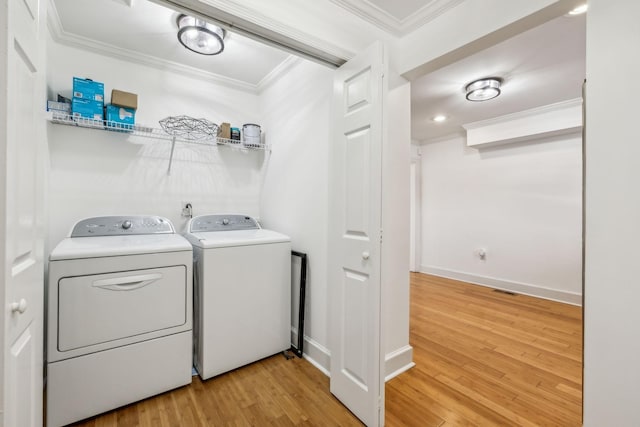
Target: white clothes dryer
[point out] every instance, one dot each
(242, 292)
(119, 321)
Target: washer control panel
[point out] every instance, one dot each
(122, 225)
(223, 223)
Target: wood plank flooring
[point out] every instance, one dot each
(482, 358)
(487, 358)
(272, 392)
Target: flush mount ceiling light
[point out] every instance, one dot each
(483, 89)
(199, 36)
(439, 118)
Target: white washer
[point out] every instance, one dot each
(242, 296)
(119, 321)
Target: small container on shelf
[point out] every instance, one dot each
(120, 118)
(235, 135)
(251, 135)
(225, 131)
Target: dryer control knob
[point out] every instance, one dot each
(225, 221)
(126, 224)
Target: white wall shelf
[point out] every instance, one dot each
(61, 118)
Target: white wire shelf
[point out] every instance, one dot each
(62, 118)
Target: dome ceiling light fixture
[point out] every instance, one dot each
(483, 89)
(200, 36)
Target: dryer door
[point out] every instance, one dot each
(100, 308)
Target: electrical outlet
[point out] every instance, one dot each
(187, 209)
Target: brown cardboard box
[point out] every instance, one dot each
(225, 130)
(124, 99)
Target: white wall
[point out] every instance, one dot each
(295, 115)
(104, 173)
(296, 111)
(521, 202)
(612, 270)
(396, 158)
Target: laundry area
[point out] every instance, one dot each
(163, 155)
(132, 304)
(192, 187)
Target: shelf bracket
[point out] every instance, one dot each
(173, 146)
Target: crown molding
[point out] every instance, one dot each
(61, 36)
(387, 22)
(281, 70)
(372, 14)
(426, 14)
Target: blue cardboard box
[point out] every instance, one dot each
(87, 109)
(120, 118)
(88, 89)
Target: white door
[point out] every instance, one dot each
(355, 236)
(22, 142)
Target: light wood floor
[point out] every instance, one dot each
(482, 358)
(487, 358)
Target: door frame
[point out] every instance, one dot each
(416, 200)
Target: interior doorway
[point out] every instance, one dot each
(467, 198)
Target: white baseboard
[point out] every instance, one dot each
(317, 354)
(396, 362)
(506, 285)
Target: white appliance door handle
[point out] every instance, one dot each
(127, 283)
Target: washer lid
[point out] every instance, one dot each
(103, 246)
(222, 239)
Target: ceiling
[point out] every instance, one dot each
(541, 66)
(398, 17)
(146, 28)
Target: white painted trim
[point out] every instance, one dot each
(550, 120)
(427, 14)
(278, 72)
(317, 354)
(372, 14)
(572, 298)
(387, 22)
(398, 361)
